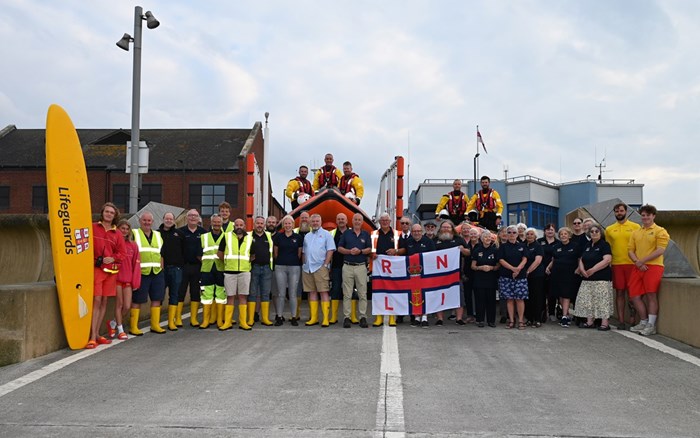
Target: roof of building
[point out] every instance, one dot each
(170, 149)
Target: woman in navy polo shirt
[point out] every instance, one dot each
(595, 297)
(287, 255)
(485, 267)
(563, 269)
(512, 283)
(535, 278)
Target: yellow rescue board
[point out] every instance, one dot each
(70, 221)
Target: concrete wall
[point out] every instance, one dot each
(679, 307)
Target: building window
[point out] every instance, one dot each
(148, 193)
(207, 197)
(40, 201)
(532, 214)
(4, 197)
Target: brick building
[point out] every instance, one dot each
(192, 168)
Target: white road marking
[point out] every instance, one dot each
(60, 364)
(656, 345)
(390, 420)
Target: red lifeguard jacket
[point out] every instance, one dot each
(456, 205)
(485, 201)
(328, 177)
(305, 186)
(345, 183)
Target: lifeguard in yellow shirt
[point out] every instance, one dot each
(453, 204)
(299, 186)
(487, 203)
(350, 184)
(327, 176)
(618, 236)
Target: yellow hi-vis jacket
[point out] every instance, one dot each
(237, 257)
(209, 250)
(149, 252)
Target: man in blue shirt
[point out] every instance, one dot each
(318, 252)
(355, 245)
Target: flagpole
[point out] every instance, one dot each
(476, 159)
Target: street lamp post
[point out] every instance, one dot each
(123, 44)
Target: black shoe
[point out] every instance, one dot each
(363, 322)
(278, 321)
(415, 322)
(282, 318)
(347, 323)
(295, 321)
(256, 317)
(438, 322)
(492, 324)
(424, 324)
(461, 322)
(480, 324)
(503, 320)
(451, 317)
(399, 319)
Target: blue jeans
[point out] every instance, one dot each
(173, 278)
(260, 283)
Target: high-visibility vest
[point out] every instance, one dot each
(237, 257)
(375, 237)
(269, 242)
(227, 228)
(149, 251)
(209, 250)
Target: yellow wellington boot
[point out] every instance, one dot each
(243, 317)
(213, 315)
(134, 322)
(265, 313)
(228, 317)
(313, 311)
(392, 321)
(172, 313)
(334, 311)
(155, 321)
(326, 309)
(378, 320)
(251, 314)
(178, 315)
(353, 312)
(194, 308)
(220, 314)
(206, 314)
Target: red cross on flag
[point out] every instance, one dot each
(416, 285)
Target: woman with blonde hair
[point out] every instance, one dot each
(128, 279)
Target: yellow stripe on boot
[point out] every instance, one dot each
(155, 321)
(243, 317)
(206, 316)
(353, 312)
(172, 314)
(194, 309)
(313, 311)
(334, 311)
(134, 322)
(326, 309)
(178, 315)
(228, 317)
(265, 313)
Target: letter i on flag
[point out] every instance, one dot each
(416, 285)
(480, 140)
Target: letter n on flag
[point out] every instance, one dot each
(417, 284)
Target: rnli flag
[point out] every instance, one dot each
(416, 285)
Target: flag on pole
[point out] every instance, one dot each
(480, 140)
(416, 285)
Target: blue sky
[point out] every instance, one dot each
(554, 85)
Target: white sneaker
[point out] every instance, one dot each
(650, 329)
(639, 327)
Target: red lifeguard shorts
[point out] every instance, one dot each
(621, 276)
(105, 284)
(644, 282)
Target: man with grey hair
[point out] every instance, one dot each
(191, 272)
(386, 241)
(316, 257)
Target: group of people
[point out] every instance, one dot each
(300, 189)
(229, 267)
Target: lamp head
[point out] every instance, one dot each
(151, 21)
(124, 42)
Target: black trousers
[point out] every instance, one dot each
(190, 278)
(485, 301)
(468, 290)
(535, 303)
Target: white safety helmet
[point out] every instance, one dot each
(444, 214)
(303, 198)
(350, 195)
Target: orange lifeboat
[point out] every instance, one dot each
(328, 202)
